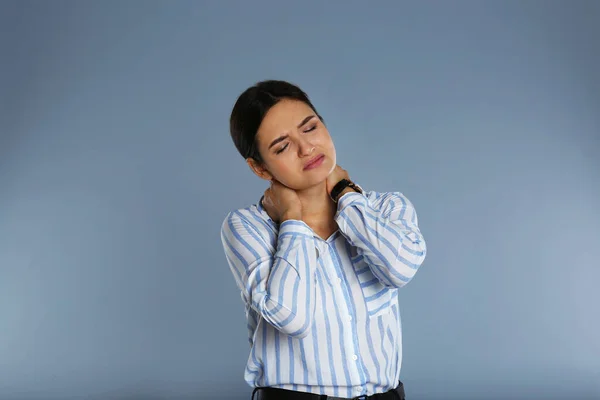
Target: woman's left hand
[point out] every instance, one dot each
(335, 176)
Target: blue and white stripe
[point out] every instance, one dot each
(322, 314)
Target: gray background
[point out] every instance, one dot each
(117, 169)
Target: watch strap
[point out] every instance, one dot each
(340, 186)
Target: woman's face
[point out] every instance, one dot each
(295, 146)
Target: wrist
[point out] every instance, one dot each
(296, 215)
(347, 190)
(342, 187)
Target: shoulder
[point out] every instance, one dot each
(249, 217)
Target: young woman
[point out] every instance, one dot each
(318, 260)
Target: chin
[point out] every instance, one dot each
(307, 182)
(317, 180)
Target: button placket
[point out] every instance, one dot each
(342, 290)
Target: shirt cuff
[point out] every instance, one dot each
(294, 227)
(348, 199)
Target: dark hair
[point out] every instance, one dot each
(252, 106)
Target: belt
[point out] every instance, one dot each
(268, 393)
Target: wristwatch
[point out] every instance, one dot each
(340, 186)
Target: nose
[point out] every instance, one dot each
(305, 147)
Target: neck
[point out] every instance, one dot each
(318, 209)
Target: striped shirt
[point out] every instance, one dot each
(323, 315)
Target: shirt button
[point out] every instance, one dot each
(340, 280)
(349, 317)
(358, 389)
(355, 357)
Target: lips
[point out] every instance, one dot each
(314, 162)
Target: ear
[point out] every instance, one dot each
(259, 169)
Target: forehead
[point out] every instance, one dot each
(283, 117)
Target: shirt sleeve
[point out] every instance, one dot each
(385, 232)
(280, 284)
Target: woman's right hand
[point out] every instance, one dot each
(282, 203)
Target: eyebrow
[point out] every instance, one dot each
(283, 137)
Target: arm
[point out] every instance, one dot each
(387, 236)
(279, 284)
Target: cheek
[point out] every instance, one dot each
(331, 150)
(325, 140)
(282, 169)
(327, 143)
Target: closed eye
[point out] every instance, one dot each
(311, 129)
(282, 149)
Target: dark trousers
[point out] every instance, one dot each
(283, 394)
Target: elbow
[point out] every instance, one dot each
(294, 324)
(397, 283)
(299, 334)
(405, 268)
(298, 329)
(416, 260)
(413, 258)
